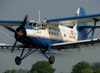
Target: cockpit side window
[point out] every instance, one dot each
(44, 25)
(34, 24)
(41, 25)
(37, 25)
(30, 24)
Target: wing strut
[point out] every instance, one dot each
(93, 28)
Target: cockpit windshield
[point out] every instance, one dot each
(32, 24)
(37, 25)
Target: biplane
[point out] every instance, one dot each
(57, 33)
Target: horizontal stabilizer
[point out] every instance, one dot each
(82, 27)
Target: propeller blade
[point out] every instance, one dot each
(13, 46)
(9, 28)
(18, 31)
(24, 21)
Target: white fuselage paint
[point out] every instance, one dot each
(60, 33)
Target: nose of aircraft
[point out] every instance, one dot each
(20, 34)
(20, 31)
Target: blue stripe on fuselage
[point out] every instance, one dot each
(28, 27)
(44, 41)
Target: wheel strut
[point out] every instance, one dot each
(18, 59)
(51, 59)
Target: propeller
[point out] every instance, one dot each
(13, 46)
(9, 28)
(24, 22)
(19, 33)
(21, 26)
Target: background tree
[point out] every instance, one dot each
(82, 67)
(16, 71)
(42, 67)
(22, 71)
(11, 71)
(96, 67)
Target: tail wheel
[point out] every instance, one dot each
(18, 60)
(51, 59)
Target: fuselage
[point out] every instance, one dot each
(50, 34)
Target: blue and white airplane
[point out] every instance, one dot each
(58, 33)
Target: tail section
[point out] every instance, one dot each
(82, 33)
(80, 12)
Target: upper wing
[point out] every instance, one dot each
(11, 22)
(73, 20)
(82, 27)
(75, 44)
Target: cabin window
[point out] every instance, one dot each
(53, 33)
(49, 32)
(57, 34)
(64, 35)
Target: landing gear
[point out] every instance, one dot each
(18, 60)
(51, 59)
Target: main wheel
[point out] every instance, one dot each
(51, 59)
(18, 60)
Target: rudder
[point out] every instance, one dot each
(81, 32)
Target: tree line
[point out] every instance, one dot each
(45, 67)
(85, 67)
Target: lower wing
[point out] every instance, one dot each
(8, 46)
(75, 44)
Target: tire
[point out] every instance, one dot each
(51, 59)
(18, 60)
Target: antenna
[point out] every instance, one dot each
(39, 15)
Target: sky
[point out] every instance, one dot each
(17, 9)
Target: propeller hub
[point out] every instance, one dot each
(20, 34)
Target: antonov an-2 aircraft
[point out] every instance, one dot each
(58, 33)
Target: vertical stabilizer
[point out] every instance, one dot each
(81, 32)
(80, 12)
